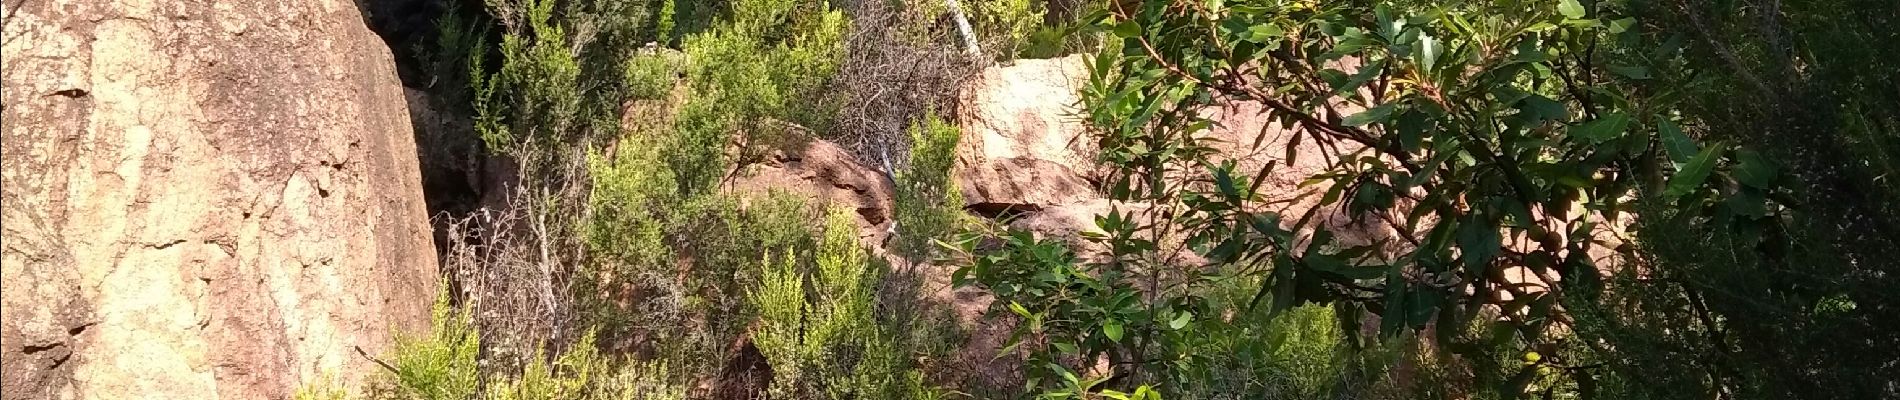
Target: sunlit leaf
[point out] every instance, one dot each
(1621, 25)
(1602, 129)
(1427, 52)
(1265, 34)
(1128, 29)
(1570, 8)
(1693, 173)
(1679, 146)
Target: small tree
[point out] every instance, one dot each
(1456, 127)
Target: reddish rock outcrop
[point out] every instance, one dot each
(1026, 154)
(1022, 149)
(203, 199)
(830, 176)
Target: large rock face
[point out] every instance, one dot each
(1027, 155)
(1022, 149)
(202, 199)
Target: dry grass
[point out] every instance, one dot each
(513, 261)
(900, 65)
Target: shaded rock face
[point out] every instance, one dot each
(202, 199)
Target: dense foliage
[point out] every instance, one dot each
(1641, 199)
(622, 263)
(1486, 138)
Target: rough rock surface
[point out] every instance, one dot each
(829, 175)
(1026, 155)
(1021, 147)
(202, 199)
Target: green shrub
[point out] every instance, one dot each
(1005, 26)
(927, 202)
(442, 366)
(325, 388)
(780, 301)
(561, 76)
(652, 76)
(1071, 313)
(679, 264)
(823, 340)
(666, 27)
(668, 268)
(1068, 30)
(583, 372)
(757, 78)
(926, 211)
(696, 149)
(439, 365)
(691, 17)
(641, 380)
(540, 78)
(1304, 346)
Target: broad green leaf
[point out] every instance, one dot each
(1602, 129)
(1147, 393)
(1371, 116)
(1181, 321)
(1265, 34)
(1694, 173)
(1128, 29)
(1679, 146)
(1371, 196)
(1528, 52)
(1571, 9)
(1018, 309)
(1543, 108)
(1621, 25)
(1478, 242)
(1753, 170)
(1411, 127)
(1630, 71)
(1393, 318)
(1427, 52)
(1334, 78)
(1224, 181)
(1358, 79)
(1422, 305)
(1748, 202)
(1336, 265)
(1112, 328)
